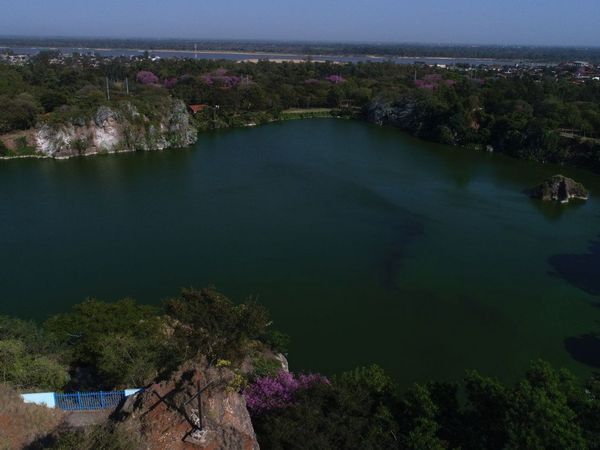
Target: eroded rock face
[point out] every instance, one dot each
(112, 131)
(560, 188)
(166, 419)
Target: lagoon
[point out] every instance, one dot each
(365, 244)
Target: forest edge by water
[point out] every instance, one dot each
(61, 106)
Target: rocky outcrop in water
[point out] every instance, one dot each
(560, 188)
(121, 129)
(166, 416)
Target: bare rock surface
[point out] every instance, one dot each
(560, 188)
(122, 130)
(168, 416)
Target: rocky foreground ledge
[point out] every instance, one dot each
(560, 188)
(199, 407)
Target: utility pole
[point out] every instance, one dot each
(196, 51)
(127, 85)
(215, 115)
(107, 90)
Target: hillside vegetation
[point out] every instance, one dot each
(544, 114)
(202, 335)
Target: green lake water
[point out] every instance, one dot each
(365, 244)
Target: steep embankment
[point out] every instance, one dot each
(121, 128)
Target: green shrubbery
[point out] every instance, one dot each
(25, 370)
(125, 344)
(209, 323)
(120, 344)
(363, 409)
(107, 345)
(30, 358)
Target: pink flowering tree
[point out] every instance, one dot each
(219, 77)
(146, 77)
(269, 393)
(336, 79)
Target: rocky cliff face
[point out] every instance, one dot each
(166, 416)
(118, 130)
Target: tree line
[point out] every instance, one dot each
(541, 115)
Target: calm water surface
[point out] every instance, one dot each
(365, 244)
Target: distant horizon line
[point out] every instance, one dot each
(298, 41)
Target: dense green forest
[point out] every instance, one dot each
(107, 345)
(547, 114)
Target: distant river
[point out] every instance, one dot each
(166, 54)
(365, 244)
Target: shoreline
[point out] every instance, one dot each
(61, 158)
(294, 116)
(322, 114)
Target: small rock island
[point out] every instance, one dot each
(560, 188)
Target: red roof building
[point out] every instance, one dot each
(197, 108)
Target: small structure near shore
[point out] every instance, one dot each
(560, 188)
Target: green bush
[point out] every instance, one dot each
(208, 323)
(18, 113)
(25, 370)
(121, 342)
(277, 341)
(265, 367)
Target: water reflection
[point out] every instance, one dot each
(553, 211)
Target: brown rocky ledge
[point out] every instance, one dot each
(168, 416)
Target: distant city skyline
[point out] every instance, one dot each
(486, 22)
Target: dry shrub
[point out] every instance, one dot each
(22, 423)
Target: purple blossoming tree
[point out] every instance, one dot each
(146, 77)
(268, 393)
(336, 79)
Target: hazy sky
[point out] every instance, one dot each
(562, 22)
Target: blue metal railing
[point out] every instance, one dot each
(88, 401)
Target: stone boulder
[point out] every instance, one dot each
(166, 416)
(560, 188)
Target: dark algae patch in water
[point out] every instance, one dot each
(581, 270)
(585, 349)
